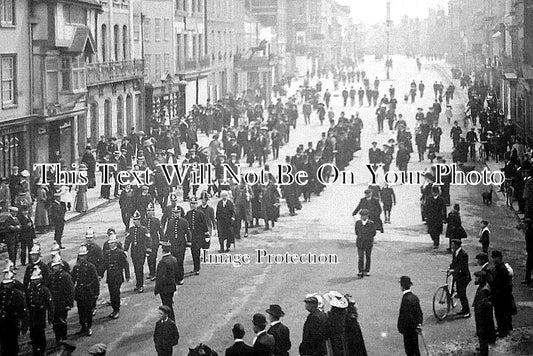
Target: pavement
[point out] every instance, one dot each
(208, 305)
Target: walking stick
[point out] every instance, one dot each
(424, 342)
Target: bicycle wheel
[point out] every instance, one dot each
(441, 303)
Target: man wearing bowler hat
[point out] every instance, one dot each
(264, 343)
(279, 331)
(239, 348)
(316, 330)
(410, 318)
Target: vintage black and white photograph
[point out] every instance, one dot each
(266, 177)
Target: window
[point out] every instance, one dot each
(200, 45)
(74, 15)
(72, 74)
(136, 24)
(158, 66)
(7, 12)
(116, 39)
(166, 29)
(147, 65)
(146, 29)
(186, 47)
(157, 30)
(194, 48)
(125, 43)
(52, 77)
(8, 73)
(178, 52)
(167, 63)
(104, 41)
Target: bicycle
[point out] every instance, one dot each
(443, 299)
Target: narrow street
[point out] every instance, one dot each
(209, 304)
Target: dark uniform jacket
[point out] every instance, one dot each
(142, 202)
(410, 314)
(12, 228)
(460, 266)
(85, 279)
(138, 239)
(264, 345)
(45, 270)
(365, 234)
(62, 290)
(95, 256)
(167, 275)
(239, 348)
(12, 308)
(39, 301)
(153, 226)
(177, 233)
(197, 225)
(166, 335)
(282, 337)
(315, 334)
(167, 215)
(116, 265)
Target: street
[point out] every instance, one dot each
(208, 305)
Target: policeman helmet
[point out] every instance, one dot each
(83, 250)
(56, 260)
(136, 216)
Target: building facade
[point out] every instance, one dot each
(115, 97)
(16, 113)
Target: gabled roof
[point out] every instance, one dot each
(81, 39)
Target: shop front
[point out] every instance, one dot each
(14, 149)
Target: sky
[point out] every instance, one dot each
(372, 11)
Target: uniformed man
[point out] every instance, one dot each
(116, 265)
(105, 246)
(167, 277)
(13, 315)
(86, 289)
(94, 252)
(62, 290)
(35, 257)
(208, 211)
(41, 306)
(56, 251)
(12, 232)
(179, 236)
(199, 232)
(138, 238)
(10, 267)
(167, 211)
(153, 225)
(57, 217)
(143, 201)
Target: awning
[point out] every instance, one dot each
(82, 40)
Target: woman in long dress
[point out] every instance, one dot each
(41, 211)
(80, 203)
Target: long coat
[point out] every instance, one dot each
(270, 202)
(41, 211)
(242, 196)
(453, 230)
(337, 323)
(166, 336)
(167, 275)
(435, 211)
(354, 337)
(315, 334)
(374, 211)
(281, 335)
(410, 314)
(225, 216)
(483, 311)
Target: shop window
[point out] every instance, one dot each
(9, 82)
(7, 12)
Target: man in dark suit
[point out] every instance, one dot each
(435, 213)
(410, 318)
(138, 238)
(153, 225)
(116, 265)
(12, 234)
(316, 330)
(461, 276)
(279, 331)
(57, 215)
(239, 348)
(225, 216)
(502, 294)
(365, 231)
(167, 278)
(264, 343)
(199, 232)
(374, 155)
(166, 333)
(370, 203)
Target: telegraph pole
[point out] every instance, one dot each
(388, 28)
